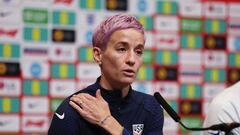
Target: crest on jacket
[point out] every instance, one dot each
(137, 129)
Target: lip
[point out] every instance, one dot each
(129, 72)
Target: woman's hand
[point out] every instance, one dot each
(96, 111)
(92, 109)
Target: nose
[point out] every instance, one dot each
(131, 58)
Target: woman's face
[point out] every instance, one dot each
(122, 57)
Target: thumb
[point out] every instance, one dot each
(98, 95)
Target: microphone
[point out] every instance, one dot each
(226, 127)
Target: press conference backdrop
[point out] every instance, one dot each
(192, 53)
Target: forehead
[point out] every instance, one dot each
(126, 35)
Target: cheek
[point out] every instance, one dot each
(113, 63)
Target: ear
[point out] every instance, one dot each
(97, 55)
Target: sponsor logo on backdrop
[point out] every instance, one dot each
(215, 75)
(144, 87)
(63, 17)
(169, 90)
(233, 60)
(215, 9)
(85, 37)
(63, 53)
(190, 57)
(62, 88)
(147, 57)
(234, 26)
(88, 36)
(166, 23)
(37, 16)
(211, 90)
(141, 6)
(10, 15)
(87, 71)
(55, 102)
(190, 91)
(10, 33)
(9, 105)
(94, 5)
(116, 5)
(85, 54)
(189, 107)
(89, 20)
(233, 43)
(9, 2)
(9, 50)
(145, 72)
(149, 43)
(39, 3)
(35, 52)
(10, 86)
(166, 7)
(63, 36)
(35, 87)
(35, 69)
(9, 123)
(9, 69)
(194, 121)
(233, 76)
(215, 26)
(191, 25)
(166, 41)
(35, 34)
(206, 106)
(63, 71)
(35, 105)
(191, 41)
(190, 9)
(35, 123)
(190, 74)
(166, 57)
(166, 73)
(213, 42)
(146, 21)
(215, 59)
(67, 2)
(234, 10)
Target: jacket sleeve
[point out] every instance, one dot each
(65, 121)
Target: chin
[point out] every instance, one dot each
(128, 80)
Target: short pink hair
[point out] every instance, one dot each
(103, 32)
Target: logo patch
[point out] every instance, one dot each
(137, 129)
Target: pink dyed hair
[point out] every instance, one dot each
(103, 32)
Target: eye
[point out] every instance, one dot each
(121, 49)
(139, 51)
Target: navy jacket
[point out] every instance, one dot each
(138, 113)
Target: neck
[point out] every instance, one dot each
(106, 85)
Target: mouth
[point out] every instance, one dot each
(129, 73)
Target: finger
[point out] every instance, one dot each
(98, 95)
(89, 97)
(76, 107)
(77, 100)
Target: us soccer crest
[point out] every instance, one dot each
(137, 129)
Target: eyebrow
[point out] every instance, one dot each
(126, 43)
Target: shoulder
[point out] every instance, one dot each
(225, 106)
(148, 101)
(64, 107)
(227, 96)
